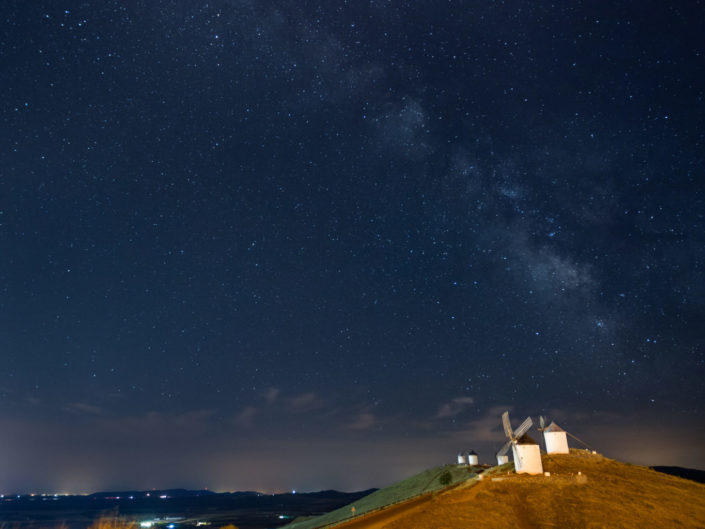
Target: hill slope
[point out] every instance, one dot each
(426, 481)
(606, 494)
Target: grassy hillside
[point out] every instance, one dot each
(606, 494)
(426, 481)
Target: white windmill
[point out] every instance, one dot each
(461, 458)
(555, 437)
(525, 451)
(472, 458)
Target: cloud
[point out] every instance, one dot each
(84, 408)
(246, 416)
(271, 395)
(304, 403)
(156, 424)
(487, 428)
(364, 421)
(454, 407)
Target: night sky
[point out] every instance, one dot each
(283, 245)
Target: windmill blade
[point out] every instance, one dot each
(504, 449)
(506, 425)
(523, 428)
(542, 422)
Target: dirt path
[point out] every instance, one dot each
(379, 519)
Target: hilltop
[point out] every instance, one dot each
(583, 490)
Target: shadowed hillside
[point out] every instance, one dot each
(424, 482)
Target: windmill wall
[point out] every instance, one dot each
(556, 442)
(527, 459)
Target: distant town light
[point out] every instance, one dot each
(146, 524)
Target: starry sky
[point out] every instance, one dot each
(300, 244)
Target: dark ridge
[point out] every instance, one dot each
(692, 474)
(172, 493)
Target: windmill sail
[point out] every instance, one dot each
(504, 449)
(523, 428)
(506, 424)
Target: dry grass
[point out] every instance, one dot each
(607, 494)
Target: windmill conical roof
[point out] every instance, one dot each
(553, 427)
(526, 439)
